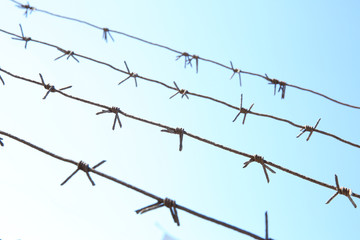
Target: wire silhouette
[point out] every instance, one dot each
(188, 57)
(22, 38)
(50, 88)
(171, 204)
(181, 91)
(116, 111)
(253, 158)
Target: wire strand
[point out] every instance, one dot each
(187, 134)
(180, 52)
(71, 53)
(132, 187)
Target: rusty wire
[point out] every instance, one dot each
(188, 57)
(171, 204)
(252, 158)
(182, 91)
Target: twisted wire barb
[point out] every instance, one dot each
(84, 167)
(171, 204)
(67, 53)
(22, 38)
(116, 111)
(50, 88)
(179, 131)
(183, 92)
(282, 86)
(243, 110)
(261, 161)
(309, 129)
(187, 92)
(235, 71)
(342, 190)
(166, 202)
(131, 75)
(188, 57)
(28, 9)
(106, 33)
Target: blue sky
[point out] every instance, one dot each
(309, 44)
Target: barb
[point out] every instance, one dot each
(259, 159)
(84, 167)
(309, 129)
(266, 226)
(343, 191)
(183, 92)
(179, 131)
(106, 33)
(27, 7)
(50, 88)
(1, 143)
(196, 57)
(171, 130)
(282, 86)
(189, 93)
(116, 111)
(22, 38)
(243, 110)
(68, 53)
(235, 71)
(167, 202)
(188, 57)
(2, 80)
(131, 74)
(171, 204)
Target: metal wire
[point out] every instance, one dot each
(263, 162)
(188, 57)
(182, 91)
(81, 165)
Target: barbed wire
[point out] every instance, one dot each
(171, 204)
(181, 132)
(188, 57)
(182, 92)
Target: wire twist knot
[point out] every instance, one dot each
(27, 7)
(235, 71)
(183, 92)
(343, 191)
(179, 131)
(106, 32)
(260, 160)
(167, 202)
(83, 166)
(282, 85)
(86, 168)
(188, 59)
(186, 56)
(67, 53)
(243, 110)
(50, 88)
(22, 38)
(131, 75)
(308, 128)
(114, 110)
